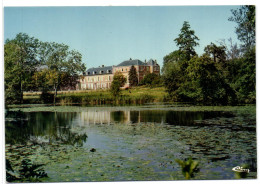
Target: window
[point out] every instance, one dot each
(88, 73)
(122, 69)
(147, 68)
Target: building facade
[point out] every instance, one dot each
(102, 77)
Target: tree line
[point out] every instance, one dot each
(222, 74)
(33, 65)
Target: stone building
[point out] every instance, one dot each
(101, 77)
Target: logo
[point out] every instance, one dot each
(240, 169)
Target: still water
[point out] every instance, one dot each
(121, 143)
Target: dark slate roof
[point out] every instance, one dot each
(131, 62)
(98, 71)
(151, 62)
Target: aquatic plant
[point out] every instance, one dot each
(28, 171)
(188, 167)
(10, 176)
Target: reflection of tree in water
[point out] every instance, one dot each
(182, 118)
(42, 127)
(118, 116)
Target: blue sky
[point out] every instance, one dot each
(110, 35)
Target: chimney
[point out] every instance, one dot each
(102, 66)
(130, 59)
(145, 60)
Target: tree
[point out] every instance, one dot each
(118, 81)
(61, 62)
(12, 69)
(151, 79)
(187, 40)
(172, 78)
(175, 56)
(26, 60)
(207, 84)
(245, 18)
(218, 53)
(133, 80)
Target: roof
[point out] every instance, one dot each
(99, 70)
(151, 62)
(131, 62)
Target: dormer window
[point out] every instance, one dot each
(88, 73)
(101, 72)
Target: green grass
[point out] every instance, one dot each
(137, 95)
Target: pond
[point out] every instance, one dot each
(75, 143)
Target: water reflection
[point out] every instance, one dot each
(183, 118)
(57, 126)
(42, 127)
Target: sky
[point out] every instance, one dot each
(109, 35)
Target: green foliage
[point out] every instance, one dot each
(201, 82)
(24, 57)
(29, 172)
(188, 167)
(213, 78)
(245, 18)
(12, 69)
(118, 81)
(208, 83)
(218, 53)
(10, 176)
(187, 40)
(151, 80)
(175, 56)
(20, 58)
(133, 80)
(244, 77)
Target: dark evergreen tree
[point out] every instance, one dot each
(133, 80)
(187, 40)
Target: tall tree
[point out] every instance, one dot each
(12, 69)
(61, 61)
(26, 60)
(187, 40)
(245, 18)
(133, 80)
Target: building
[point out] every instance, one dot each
(102, 77)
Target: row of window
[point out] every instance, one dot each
(96, 79)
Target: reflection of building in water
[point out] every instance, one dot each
(146, 116)
(100, 117)
(127, 116)
(95, 117)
